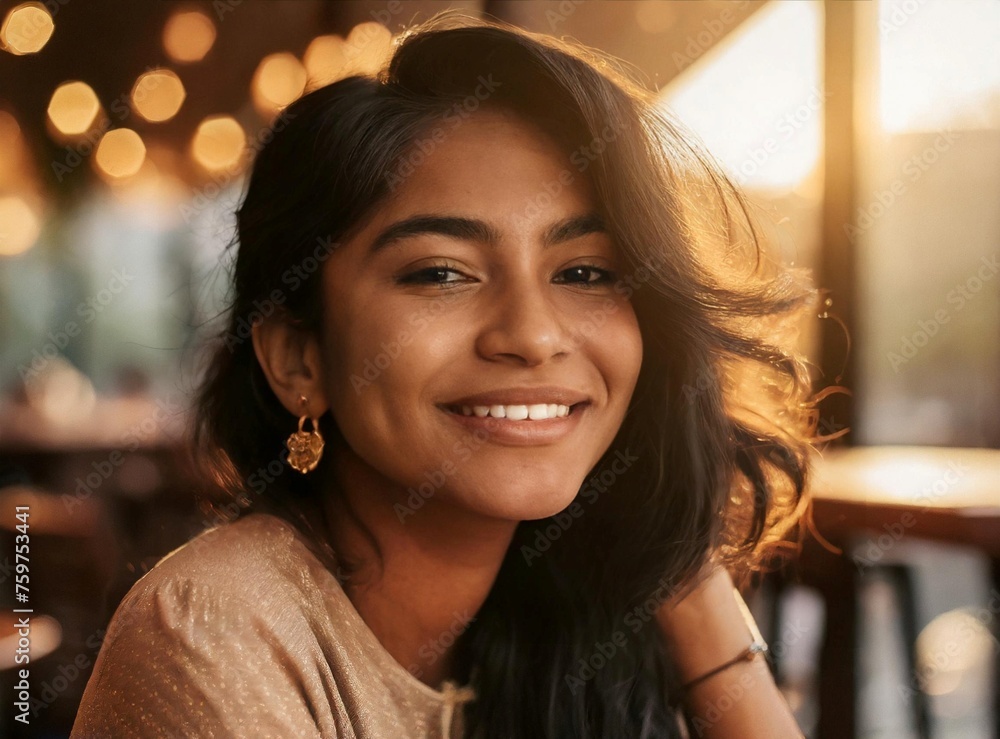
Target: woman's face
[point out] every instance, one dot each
(485, 281)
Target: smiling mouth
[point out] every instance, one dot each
(534, 412)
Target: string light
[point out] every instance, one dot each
(26, 29)
(188, 36)
(157, 95)
(325, 60)
(120, 153)
(280, 79)
(218, 143)
(19, 226)
(73, 108)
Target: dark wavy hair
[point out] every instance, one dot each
(720, 428)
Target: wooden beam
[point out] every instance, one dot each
(836, 269)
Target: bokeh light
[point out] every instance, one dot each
(367, 48)
(280, 79)
(73, 108)
(950, 646)
(19, 226)
(11, 144)
(157, 95)
(26, 29)
(188, 36)
(325, 60)
(157, 182)
(219, 143)
(61, 394)
(120, 153)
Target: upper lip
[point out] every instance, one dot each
(524, 396)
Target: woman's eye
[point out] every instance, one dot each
(584, 275)
(432, 276)
(587, 275)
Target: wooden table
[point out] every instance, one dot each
(950, 495)
(888, 493)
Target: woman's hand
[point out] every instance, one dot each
(705, 629)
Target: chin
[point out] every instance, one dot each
(523, 500)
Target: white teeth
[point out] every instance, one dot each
(536, 412)
(517, 412)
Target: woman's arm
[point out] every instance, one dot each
(705, 630)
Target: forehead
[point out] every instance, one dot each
(492, 160)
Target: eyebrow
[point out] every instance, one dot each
(471, 229)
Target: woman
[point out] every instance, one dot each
(528, 425)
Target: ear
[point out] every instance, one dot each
(291, 360)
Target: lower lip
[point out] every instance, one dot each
(520, 433)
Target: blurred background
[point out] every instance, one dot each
(867, 134)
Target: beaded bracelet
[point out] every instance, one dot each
(755, 648)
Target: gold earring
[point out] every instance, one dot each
(305, 447)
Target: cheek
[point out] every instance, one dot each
(381, 358)
(358, 357)
(619, 348)
(362, 337)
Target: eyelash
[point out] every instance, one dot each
(605, 277)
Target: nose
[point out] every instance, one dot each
(523, 325)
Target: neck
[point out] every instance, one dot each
(438, 564)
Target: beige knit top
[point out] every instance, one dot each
(242, 632)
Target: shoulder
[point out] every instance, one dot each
(253, 567)
(245, 560)
(259, 540)
(216, 634)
